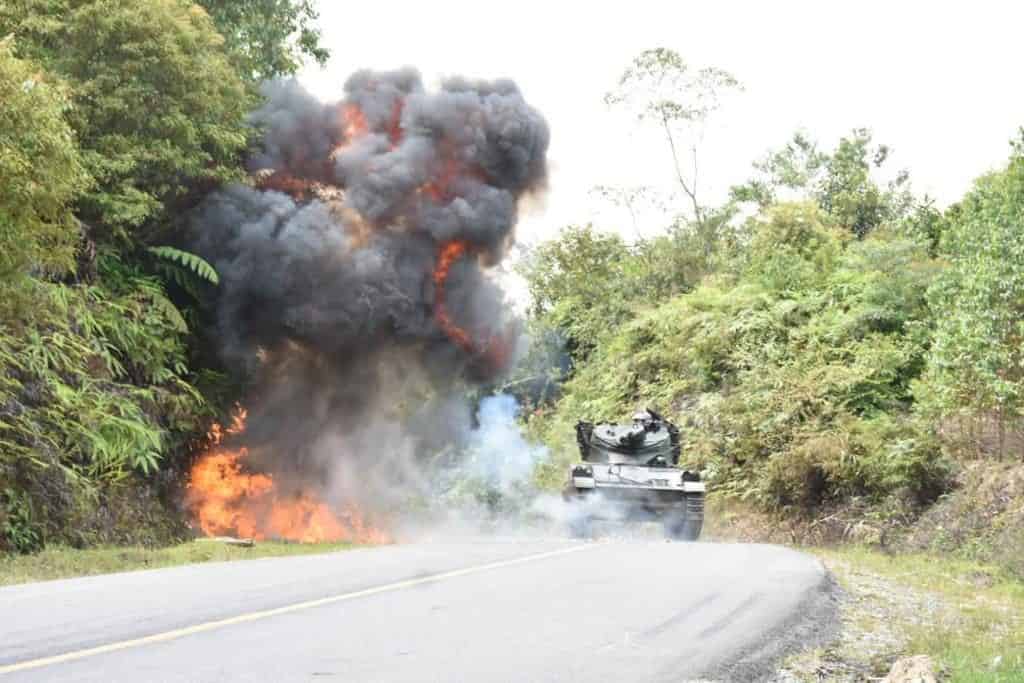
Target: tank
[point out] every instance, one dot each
(632, 471)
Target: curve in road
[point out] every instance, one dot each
(503, 610)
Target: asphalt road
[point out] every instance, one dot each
(487, 610)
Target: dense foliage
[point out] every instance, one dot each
(268, 38)
(95, 388)
(975, 380)
(115, 117)
(840, 182)
(160, 114)
(42, 171)
(850, 345)
(791, 379)
(587, 283)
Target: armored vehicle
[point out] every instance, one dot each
(632, 471)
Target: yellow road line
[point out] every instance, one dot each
(263, 614)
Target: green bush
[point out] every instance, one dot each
(93, 387)
(792, 385)
(976, 364)
(19, 529)
(41, 169)
(159, 109)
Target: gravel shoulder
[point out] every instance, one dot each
(968, 618)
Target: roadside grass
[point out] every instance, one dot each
(63, 562)
(974, 632)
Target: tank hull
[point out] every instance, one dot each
(636, 494)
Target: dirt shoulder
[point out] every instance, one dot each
(967, 617)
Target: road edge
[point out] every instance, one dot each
(814, 622)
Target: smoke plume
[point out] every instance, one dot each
(355, 293)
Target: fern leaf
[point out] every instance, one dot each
(193, 262)
(170, 312)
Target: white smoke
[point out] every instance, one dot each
(497, 453)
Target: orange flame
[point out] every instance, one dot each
(439, 187)
(354, 125)
(300, 188)
(228, 500)
(355, 121)
(490, 356)
(450, 253)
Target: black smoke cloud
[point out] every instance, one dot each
(328, 303)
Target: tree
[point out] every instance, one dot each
(158, 108)
(268, 38)
(664, 90)
(976, 364)
(796, 167)
(41, 170)
(794, 248)
(579, 285)
(847, 191)
(925, 224)
(668, 264)
(840, 182)
(586, 284)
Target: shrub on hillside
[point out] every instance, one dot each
(976, 365)
(93, 389)
(792, 385)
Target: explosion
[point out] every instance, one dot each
(226, 499)
(354, 278)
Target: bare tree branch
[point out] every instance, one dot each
(660, 86)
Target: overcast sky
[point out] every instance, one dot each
(940, 82)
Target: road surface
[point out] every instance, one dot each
(484, 610)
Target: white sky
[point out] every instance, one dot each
(940, 82)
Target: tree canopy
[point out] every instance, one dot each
(158, 108)
(268, 38)
(840, 181)
(663, 90)
(41, 167)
